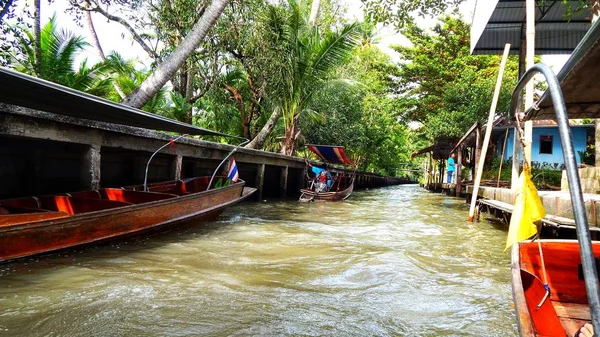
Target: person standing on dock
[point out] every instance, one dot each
(451, 166)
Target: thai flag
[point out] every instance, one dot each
(233, 171)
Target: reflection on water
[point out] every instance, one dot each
(396, 261)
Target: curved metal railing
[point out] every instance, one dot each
(583, 230)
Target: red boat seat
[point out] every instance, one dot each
(63, 203)
(176, 187)
(134, 197)
(28, 202)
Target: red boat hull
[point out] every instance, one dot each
(566, 309)
(32, 235)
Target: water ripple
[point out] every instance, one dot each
(396, 261)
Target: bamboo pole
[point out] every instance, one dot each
(502, 159)
(488, 133)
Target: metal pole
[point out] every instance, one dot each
(223, 161)
(152, 156)
(583, 231)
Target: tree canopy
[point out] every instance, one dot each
(442, 86)
(265, 72)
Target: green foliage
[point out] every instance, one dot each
(309, 57)
(588, 156)
(442, 85)
(401, 13)
(545, 176)
(360, 112)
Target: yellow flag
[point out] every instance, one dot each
(528, 209)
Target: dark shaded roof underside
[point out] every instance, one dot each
(23, 90)
(554, 34)
(578, 81)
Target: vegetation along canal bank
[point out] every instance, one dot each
(391, 261)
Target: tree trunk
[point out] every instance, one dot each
(38, 36)
(189, 92)
(258, 141)
(176, 59)
(595, 9)
(239, 100)
(90, 23)
(5, 9)
(291, 134)
(314, 12)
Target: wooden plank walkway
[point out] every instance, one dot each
(494, 206)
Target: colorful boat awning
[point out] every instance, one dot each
(331, 154)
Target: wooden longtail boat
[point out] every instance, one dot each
(34, 225)
(566, 309)
(341, 185)
(308, 194)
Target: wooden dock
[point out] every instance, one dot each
(503, 211)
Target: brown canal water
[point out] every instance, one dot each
(396, 261)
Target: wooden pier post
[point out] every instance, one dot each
(478, 142)
(283, 181)
(260, 180)
(176, 165)
(90, 170)
(458, 172)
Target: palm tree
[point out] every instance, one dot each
(309, 59)
(56, 60)
(126, 78)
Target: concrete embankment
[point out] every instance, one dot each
(45, 153)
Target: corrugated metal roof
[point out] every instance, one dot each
(497, 22)
(23, 90)
(578, 81)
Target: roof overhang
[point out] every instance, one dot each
(27, 91)
(578, 82)
(497, 22)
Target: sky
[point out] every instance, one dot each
(113, 36)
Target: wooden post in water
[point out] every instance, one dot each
(176, 165)
(90, 170)
(488, 133)
(458, 172)
(477, 149)
(260, 180)
(502, 159)
(283, 182)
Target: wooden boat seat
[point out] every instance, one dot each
(198, 184)
(69, 205)
(176, 187)
(133, 197)
(93, 194)
(572, 315)
(19, 216)
(28, 202)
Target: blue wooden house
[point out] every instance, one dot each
(546, 147)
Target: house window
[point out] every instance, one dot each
(546, 144)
